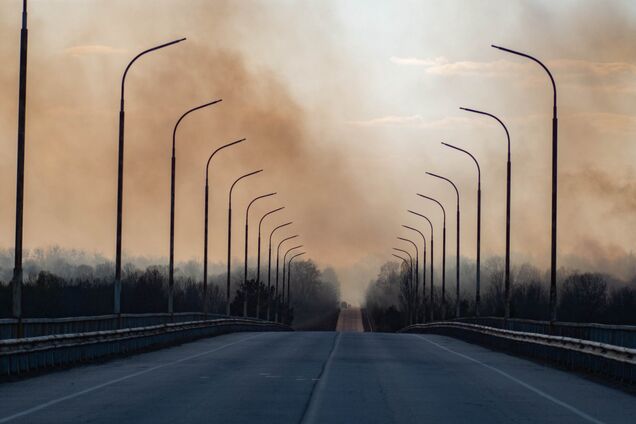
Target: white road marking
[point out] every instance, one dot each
(521, 383)
(117, 380)
(311, 410)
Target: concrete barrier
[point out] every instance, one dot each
(20, 356)
(619, 335)
(11, 328)
(616, 362)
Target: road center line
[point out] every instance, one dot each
(117, 380)
(521, 383)
(309, 415)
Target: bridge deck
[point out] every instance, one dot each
(315, 377)
(350, 320)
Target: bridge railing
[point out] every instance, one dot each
(37, 327)
(603, 359)
(28, 354)
(617, 335)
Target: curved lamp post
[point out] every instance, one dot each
(457, 271)
(423, 272)
(120, 170)
(285, 263)
(172, 205)
(443, 254)
(478, 271)
(229, 239)
(284, 266)
(205, 224)
(508, 189)
(406, 262)
(247, 219)
(409, 265)
(289, 277)
(277, 274)
(417, 278)
(432, 260)
(555, 145)
(410, 282)
(289, 268)
(16, 281)
(269, 268)
(258, 261)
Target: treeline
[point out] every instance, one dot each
(582, 297)
(81, 289)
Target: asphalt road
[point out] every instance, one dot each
(315, 378)
(350, 320)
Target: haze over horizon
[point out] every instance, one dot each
(345, 110)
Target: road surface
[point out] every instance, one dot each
(326, 377)
(350, 320)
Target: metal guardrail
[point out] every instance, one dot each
(619, 335)
(618, 362)
(35, 327)
(18, 356)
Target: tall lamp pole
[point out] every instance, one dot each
(229, 239)
(410, 283)
(432, 260)
(423, 272)
(443, 254)
(205, 225)
(247, 220)
(291, 249)
(269, 268)
(555, 148)
(508, 189)
(409, 265)
(276, 313)
(417, 276)
(258, 261)
(478, 276)
(457, 271)
(289, 267)
(120, 179)
(172, 205)
(16, 281)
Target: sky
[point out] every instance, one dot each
(344, 105)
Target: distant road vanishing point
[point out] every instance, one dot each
(350, 320)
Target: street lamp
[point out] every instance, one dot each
(277, 273)
(432, 260)
(289, 277)
(508, 189)
(555, 145)
(457, 304)
(284, 263)
(443, 254)
(258, 261)
(16, 281)
(410, 282)
(478, 276)
(409, 265)
(120, 175)
(229, 239)
(247, 219)
(269, 268)
(205, 226)
(405, 262)
(423, 272)
(172, 205)
(417, 273)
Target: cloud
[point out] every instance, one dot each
(443, 66)
(608, 122)
(414, 121)
(92, 50)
